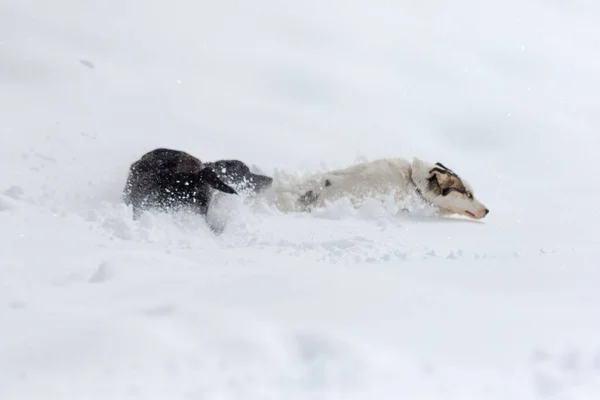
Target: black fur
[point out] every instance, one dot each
(237, 174)
(446, 168)
(168, 179)
(308, 198)
(444, 171)
(433, 185)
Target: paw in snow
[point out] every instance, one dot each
(103, 273)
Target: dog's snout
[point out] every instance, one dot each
(487, 211)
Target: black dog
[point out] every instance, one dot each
(171, 180)
(237, 174)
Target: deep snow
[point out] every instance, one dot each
(342, 303)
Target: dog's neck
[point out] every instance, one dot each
(419, 193)
(416, 188)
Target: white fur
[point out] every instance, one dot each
(372, 179)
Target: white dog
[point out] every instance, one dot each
(433, 183)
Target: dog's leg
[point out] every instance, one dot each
(215, 227)
(137, 213)
(137, 206)
(126, 196)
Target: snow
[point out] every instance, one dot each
(339, 303)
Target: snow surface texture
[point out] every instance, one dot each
(337, 304)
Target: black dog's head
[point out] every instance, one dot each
(209, 177)
(236, 173)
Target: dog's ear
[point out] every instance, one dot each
(208, 176)
(442, 166)
(440, 182)
(441, 177)
(433, 185)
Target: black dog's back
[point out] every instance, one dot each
(168, 159)
(170, 180)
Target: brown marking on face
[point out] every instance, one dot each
(443, 181)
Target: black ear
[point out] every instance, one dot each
(443, 167)
(433, 180)
(433, 184)
(208, 176)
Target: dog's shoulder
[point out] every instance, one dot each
(393, 163)
(382, 168)
(164, 159)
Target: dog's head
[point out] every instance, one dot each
(446, 190)
(237, 173)
(209, 177)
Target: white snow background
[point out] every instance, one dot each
(338, 304)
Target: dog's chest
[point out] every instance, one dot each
(173, 191)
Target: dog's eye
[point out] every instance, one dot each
(469, 195)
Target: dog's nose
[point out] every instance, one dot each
(487, 211)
